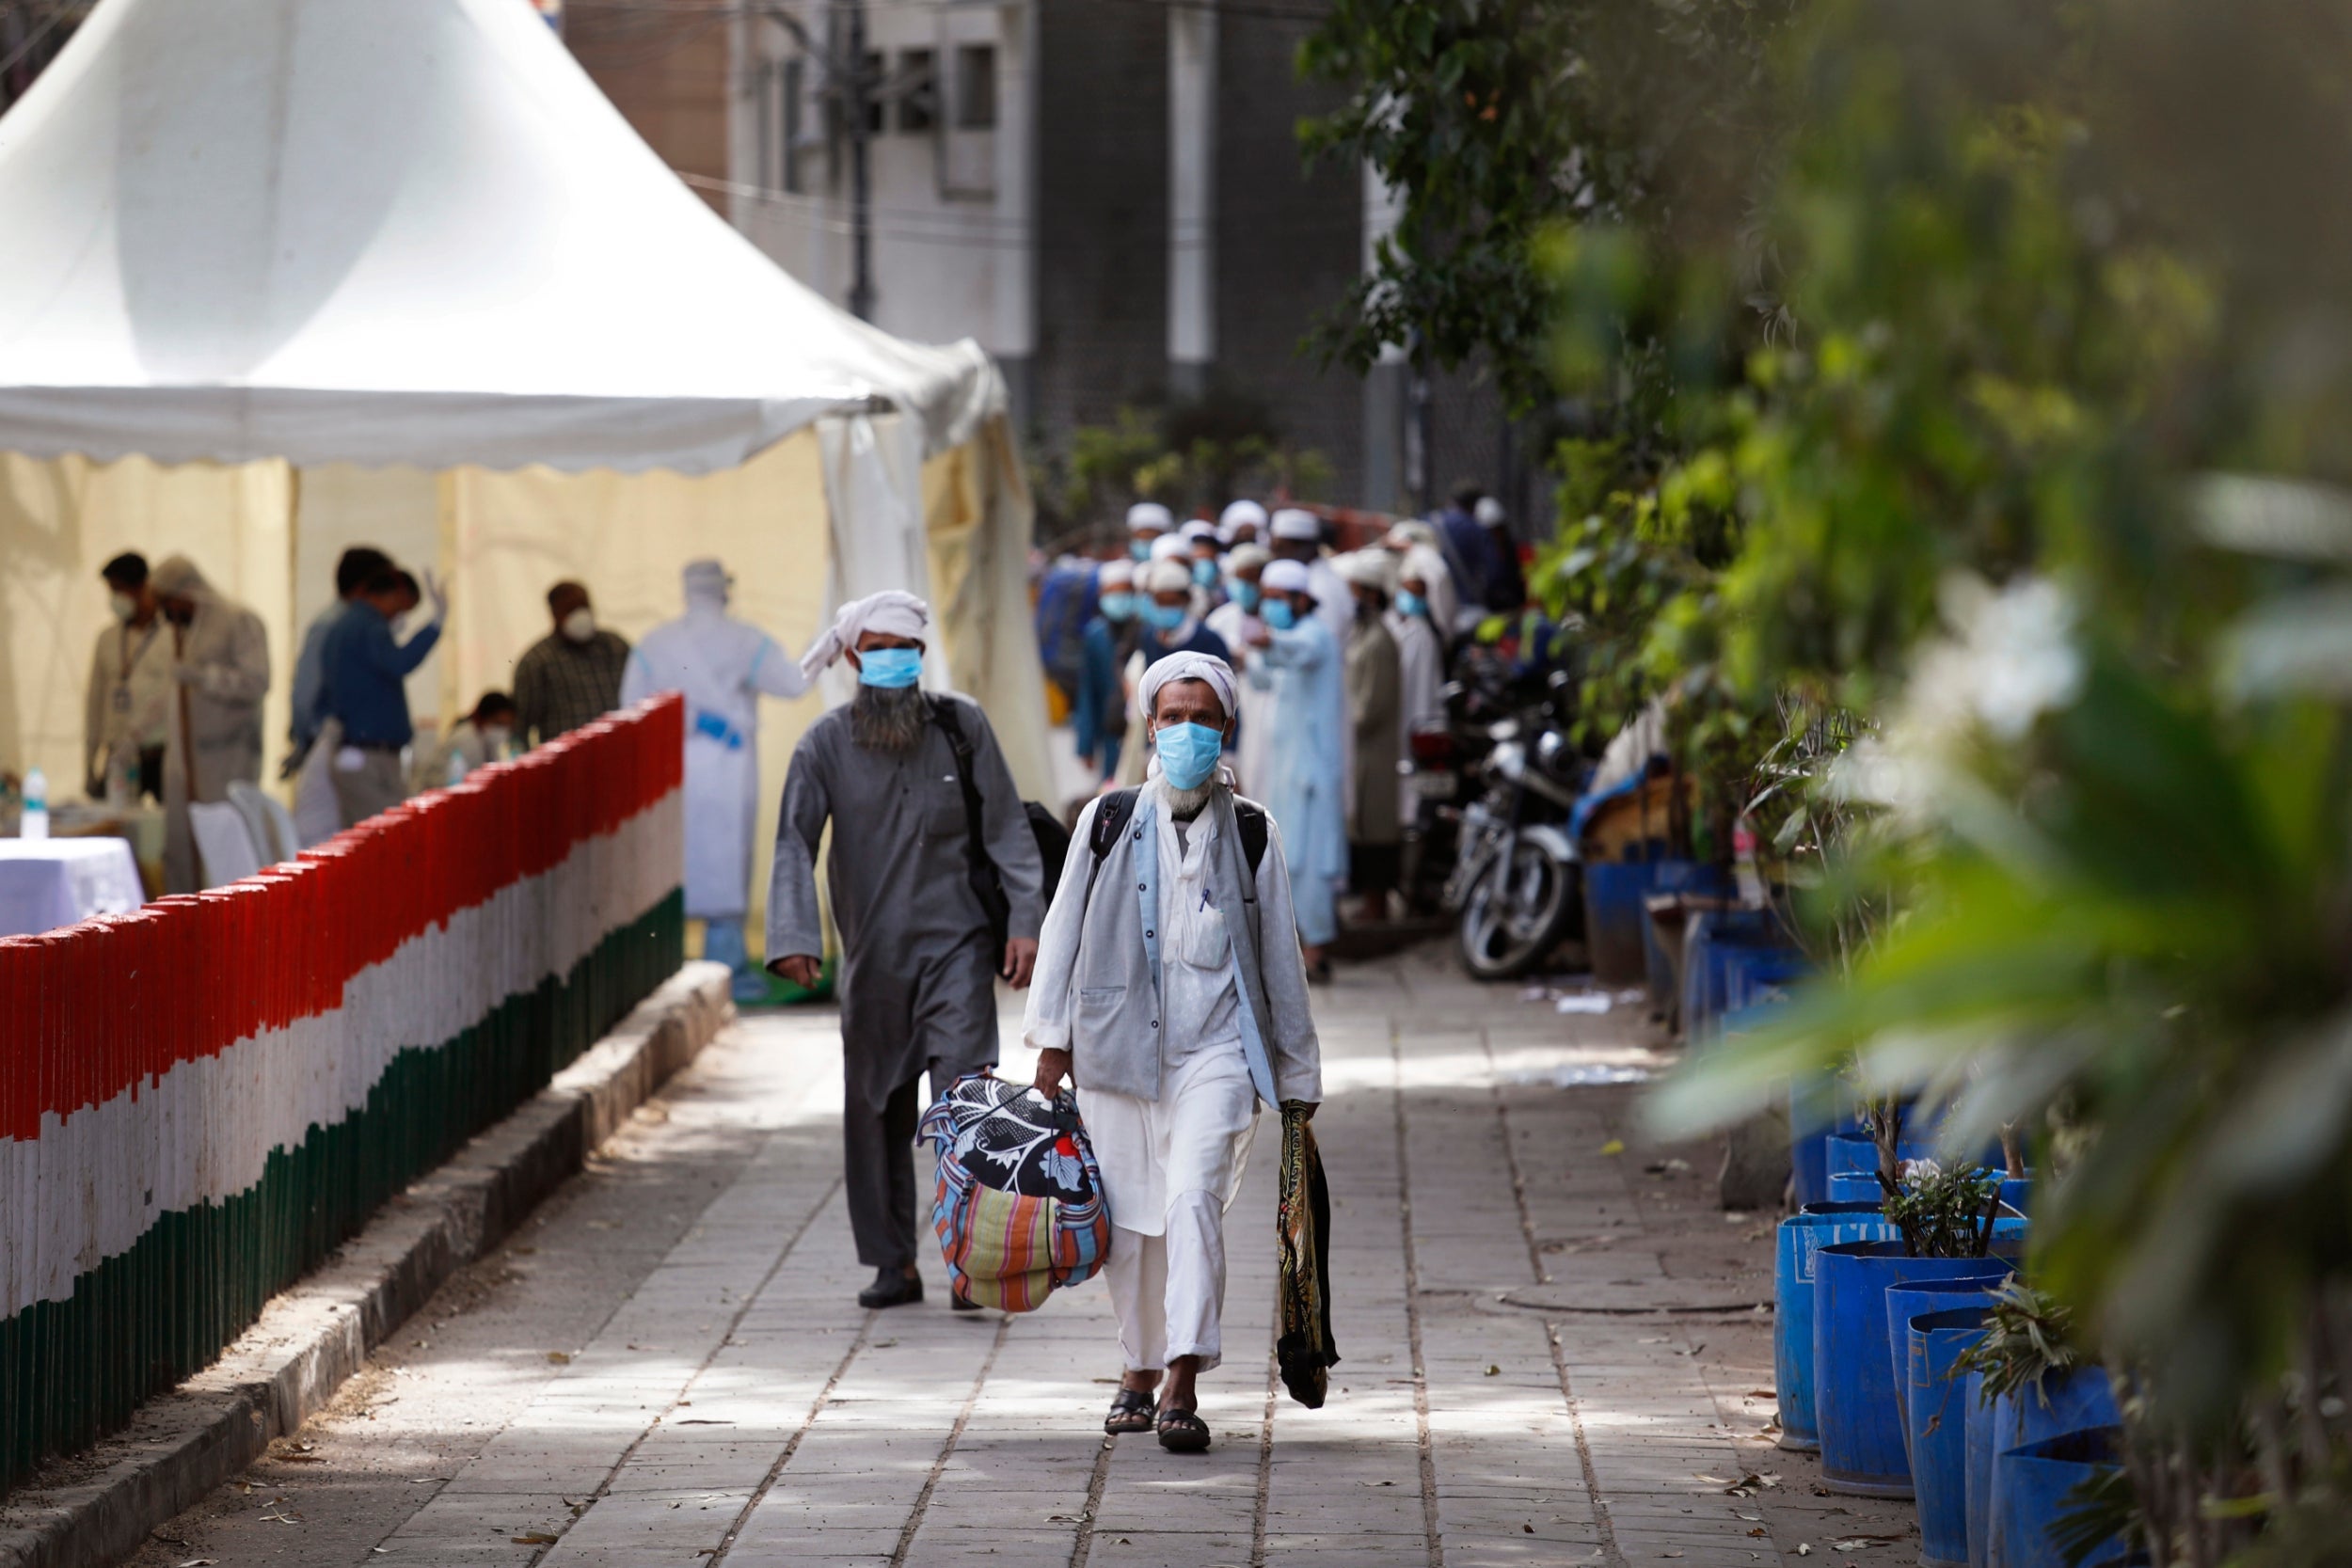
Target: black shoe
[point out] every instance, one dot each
(892, 1288)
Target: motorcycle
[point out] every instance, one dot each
(1518, 881)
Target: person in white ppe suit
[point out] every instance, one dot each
(723, 666)
(220, 664)
(1170, 989)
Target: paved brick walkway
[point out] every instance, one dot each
(1551, 1356)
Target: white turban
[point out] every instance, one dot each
(176, 578)
(1167, 577)
(1426, 566)
(1245, 556)
(1196, 531)
(1116, 573)
(1150, 517)
(1286, 576)
(1240, 514)
(1368, 569)
(1187, 667)
(1170, 547)
(1293, 522)
(891, 612)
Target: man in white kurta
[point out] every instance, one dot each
(723, 666)
(1155, 993)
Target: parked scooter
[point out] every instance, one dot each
(1518, 881)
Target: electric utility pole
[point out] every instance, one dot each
(856, 82)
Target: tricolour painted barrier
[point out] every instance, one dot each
(201, 1099)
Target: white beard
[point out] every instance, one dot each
(1186, 805)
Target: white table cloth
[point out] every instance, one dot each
(46, 883)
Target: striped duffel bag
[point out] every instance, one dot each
(1019, 1208)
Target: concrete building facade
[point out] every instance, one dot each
(1108, 195)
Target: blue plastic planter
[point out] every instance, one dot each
(1853, 1395)
(1615, 920)
(1909, 1300)
(2068, 1401)
(1801, 1237)
(1675, 876)
(1938, 1424)
(1816, 1110)
(2033, 1487)
(1715, 944)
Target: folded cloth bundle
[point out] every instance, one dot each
(1018, 1207)
(1305, 1350)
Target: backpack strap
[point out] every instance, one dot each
(1251, 817)
(1111, 816)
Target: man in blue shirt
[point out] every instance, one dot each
(364, 690)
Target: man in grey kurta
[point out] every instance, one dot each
(918, 962)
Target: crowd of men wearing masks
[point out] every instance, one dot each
(1168, 969)
(1339, 655)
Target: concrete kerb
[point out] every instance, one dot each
(312, 1339)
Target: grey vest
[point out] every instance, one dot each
(1116, 1040)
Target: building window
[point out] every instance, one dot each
(876, 74)
(918, 90)
(795, 78)
(975, 87)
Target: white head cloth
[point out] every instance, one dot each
(1165, 576)
(1369, 569)
(891, 612)
(176, 578)
(1293, 522)
(1244, 557)
(1404, 536)
(1116, 573)
(1286, 576)
(1489, 512)
(1170, 547)
(1150, 517)
(1238, 515)
(1187, 667)
(1426, 566)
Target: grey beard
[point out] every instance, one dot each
(1186, 805)
(886, 719)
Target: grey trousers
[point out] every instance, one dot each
(878, 1176)
(376, 785)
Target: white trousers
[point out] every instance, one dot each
(1168, 1290)
(1169, 1167)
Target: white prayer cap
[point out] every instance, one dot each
(1166, 577)
(1170, 547)
(1293, 522)
(1368, 569)
(1150, 517)
(1488, 511)
(1196, 531)
(1187, 667)
(891, 612)
(1243, 557)
(706, 577)
(176, 578)
(1116, 573)
(1286, 576)
(1240, 514)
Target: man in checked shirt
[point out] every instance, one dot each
(571, 676)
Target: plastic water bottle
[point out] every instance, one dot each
(34, 823)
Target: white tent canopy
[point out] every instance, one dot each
(396, 231)
(281, 276)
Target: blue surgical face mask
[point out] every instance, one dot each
(1280, 615)
(1188, 753)
(890, 668)
(1118, 607)
(1204, 573)
(1244, 592)
(1167, 617)
(1408, 603)
(1139, 548)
